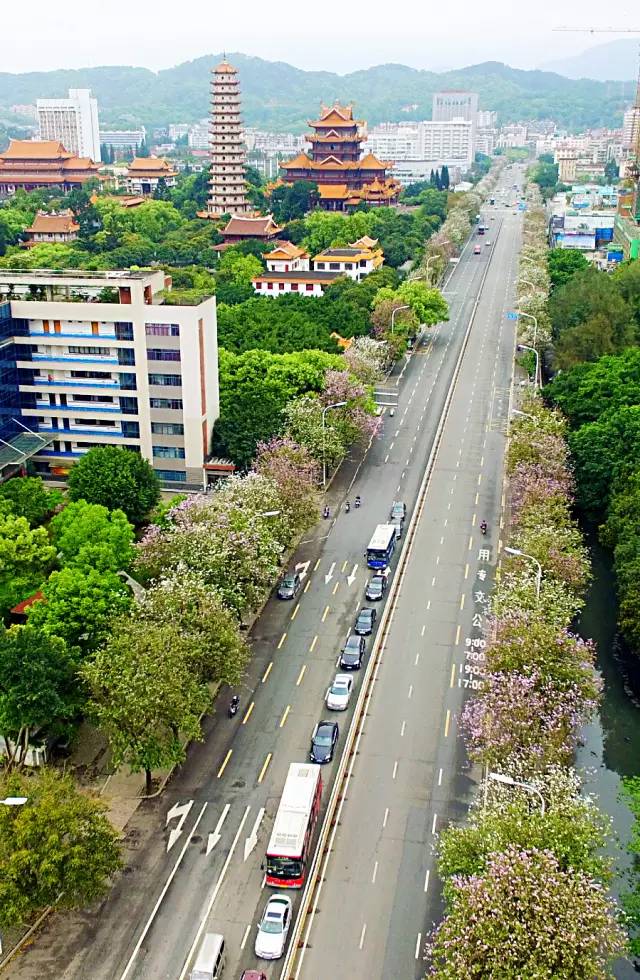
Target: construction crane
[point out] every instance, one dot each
(633, 164)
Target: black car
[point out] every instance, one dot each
(353, 652)
(398, 512)
(376, 588)
(323, 741)
(289, 586)
(365, 621)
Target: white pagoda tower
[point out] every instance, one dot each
(228, 191)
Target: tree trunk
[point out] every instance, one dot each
(148, 785)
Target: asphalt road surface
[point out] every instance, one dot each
(378, 900)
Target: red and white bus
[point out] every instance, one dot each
(289, 847)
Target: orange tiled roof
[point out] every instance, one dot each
(258, 227)
(63, 222)
(332, 137)
(284, 251)
(15, 177)
(35, 150)
(371, 162)
(335, 115)
(156, 166)
(364, 242)
(302, 160)
(333, 192)
(224, 68)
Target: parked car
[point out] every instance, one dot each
(289, 586)
(339, 694)
(365, 621)
(323, 741)
(398, 511)
(273, 928)
(352, 653)
(376, 588)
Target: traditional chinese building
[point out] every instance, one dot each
(345, 179)
(239, 229)
(33, 164)
(288, 267)
(228, 192)
(60, 227)
(145, 173)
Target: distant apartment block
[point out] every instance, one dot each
(28, 110)
(450, 105)
(631, 128)
(486, 119)
(97, 358)
(123, 140)
(73, 122)
(198, 136)
(418, 148)
(178, 130)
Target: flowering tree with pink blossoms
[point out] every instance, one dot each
(294, 471)
(526, 917)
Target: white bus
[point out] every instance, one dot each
(381, 546)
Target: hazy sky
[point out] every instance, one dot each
(344, 36)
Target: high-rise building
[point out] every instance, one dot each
(228, 191)
(73, 122)
(455, 105)
(630, 127)
(123, 140)
(420, 147)
(98, 358)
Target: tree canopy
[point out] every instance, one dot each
(116, 478)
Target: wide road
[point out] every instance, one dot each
(381, 895)
(208, 876)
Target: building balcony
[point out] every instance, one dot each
(68, 383)
(48, 409)
(70, 434)
(43, 337)
(70, 358)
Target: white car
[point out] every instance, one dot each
(487, 243)
(339, 694)
(273, 928)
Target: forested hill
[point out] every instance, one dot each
(278, 96)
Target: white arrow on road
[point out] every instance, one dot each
(352, 577)
(329, 575)
(216, 835)
(252, 839)
(177, 810)
(302, 568)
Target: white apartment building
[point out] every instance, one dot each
(487, 119)
(630, 128)
(420, 147)
(102, 360)
(198, 136)
(72, 121)
(123, 140)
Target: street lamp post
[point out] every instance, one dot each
(269, 513)
(521, 554)
(14, 801)
(535, 353)
(525, 415)
(393, 319)
(430, 258)
(326, 409)
(498, 777)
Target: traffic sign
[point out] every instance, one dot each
(512, 316)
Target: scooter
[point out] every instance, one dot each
(357, 503)
(483, 527)
(392, 412)
(347, 507)
(234, 704)
(326, 513)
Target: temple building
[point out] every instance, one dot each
(145, 173)
(33, 164)
(228, 191)
(345, 179)
(240, 229)
(51, 228)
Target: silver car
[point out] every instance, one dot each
(273, 928)
(339, 694)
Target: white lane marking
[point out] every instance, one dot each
(440, 778)
(426, 879)
(245, 937)
(214, 895)
(404, 725)
(422, 631)
(164, 891)
(418, 941)
(433, 825)
(386, 817)
(362, 935)
(395, 769)
(375, 872)
(410, 691)
(415, 662)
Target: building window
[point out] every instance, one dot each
(172, 476)
(334, 265)
(105, 399)
(104, 351)
(163, 355)
(348, 265)
(269, 285)
(83, 423)
(294, 286)
(174, 403)
(309, 287)
(162, 329)
(168, 452)
(95, 329)
(165, 379)
(319, 265)
(167, 428)
(103, 375)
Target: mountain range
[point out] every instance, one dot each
(615, 61)
(278, 96)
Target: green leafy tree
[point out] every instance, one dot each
(292, 201)
(599, 450)
(115, 478)
(588, 390)
(91, 536)
(78, 605)
(58, 850)
(29, 498)
(563, 263)
(144, 695)
(27, 555)
(38, 686)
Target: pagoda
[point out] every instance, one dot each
(345, 179)
(227, 194)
